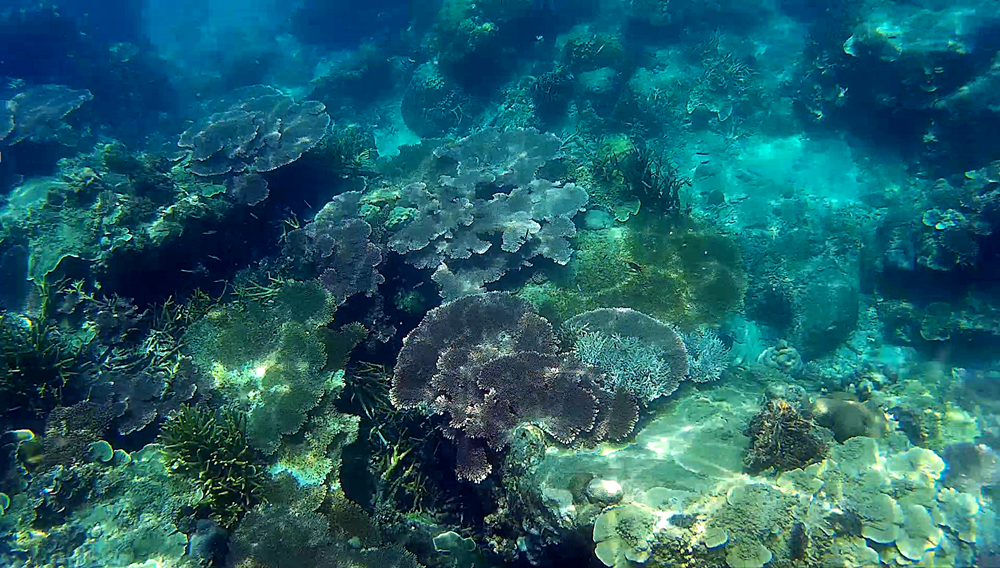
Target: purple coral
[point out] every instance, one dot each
(489, 364)
(257, 129)
(338, 250)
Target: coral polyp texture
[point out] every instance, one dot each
(489, 364)
(253, 129)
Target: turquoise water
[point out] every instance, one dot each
(499, 283)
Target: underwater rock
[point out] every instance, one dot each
(604, 491)
(970, 466)
(208, 543)
(849, 418)
(826, 310)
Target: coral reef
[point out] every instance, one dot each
(482, 283)
(337, 250)
(444, 225)
(640, 354)
(36, 114)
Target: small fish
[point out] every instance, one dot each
(211, 232)
(702, 153)
(705, 162)
(213, 257)
(634, 266)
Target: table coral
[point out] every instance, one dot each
(254, 129)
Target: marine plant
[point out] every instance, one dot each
(651, 178)
(213, 451)
(38, 364)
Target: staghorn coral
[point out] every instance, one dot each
(214, 452)
(41, 366)
(254, 129)
(489, 364)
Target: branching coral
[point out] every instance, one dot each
(652, 179)
(490, 364)
(214, 452)
(781, 438)
(37, 363)
(639, 354)
(255, 129)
